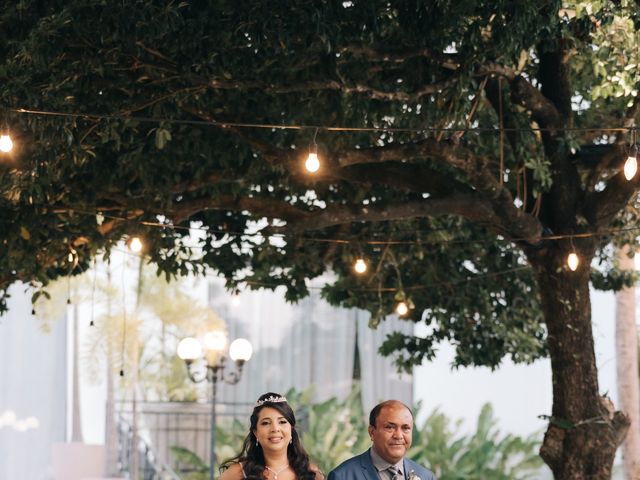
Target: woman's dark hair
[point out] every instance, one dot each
(251, 457)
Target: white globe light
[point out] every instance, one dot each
(312, 164)
(215, 341)
(6, 144)
(189, 349)
(240, 350)
(573, 261)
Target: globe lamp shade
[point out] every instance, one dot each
(189, 349)
(240, 350)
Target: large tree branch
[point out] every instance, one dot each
(554, 74)
(602, 207)
(468, 206)
(408, 177)
(258, 206)
(454, 155)
(332, 85)
(448, 61)
(477, 168)
(543, 111)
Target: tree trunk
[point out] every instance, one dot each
(584, 431)
(627, 369)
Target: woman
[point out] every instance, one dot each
(272, 450)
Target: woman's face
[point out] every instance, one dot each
(273, 430)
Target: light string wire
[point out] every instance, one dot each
(328, 128)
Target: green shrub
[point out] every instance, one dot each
(482, 455)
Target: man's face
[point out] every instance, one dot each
(391, 435)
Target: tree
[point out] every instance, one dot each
(627, 368)
(485, 142)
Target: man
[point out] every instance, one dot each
(390, 429)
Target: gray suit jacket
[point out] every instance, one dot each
(361, 467)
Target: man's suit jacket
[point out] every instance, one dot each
(361, 467)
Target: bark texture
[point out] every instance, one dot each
(584, 430)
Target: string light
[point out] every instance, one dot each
(402, 308)
(6, 144)
(135, 244)
(631, 165)
(271, 126)
(573, 261)
(312, 164)
(360, 266)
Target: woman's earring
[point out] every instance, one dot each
(256, 442)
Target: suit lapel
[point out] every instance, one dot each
(406, 468)
(369, 472)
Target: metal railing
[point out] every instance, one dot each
(150, 466)
(172, 424)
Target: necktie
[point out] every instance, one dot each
(394, 473)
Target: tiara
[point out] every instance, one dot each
(271, 399)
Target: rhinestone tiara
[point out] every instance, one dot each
(271, 399)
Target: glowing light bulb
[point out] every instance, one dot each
(402, 308)
(6, 144)
(312, 164)
(70, 257)
(630, 167)
(360, 266)
(573, 261)
(135, 245)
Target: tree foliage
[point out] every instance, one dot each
(467, 148)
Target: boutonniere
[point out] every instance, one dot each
(413, 476)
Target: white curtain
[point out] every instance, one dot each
(33, 372)
(308, 344)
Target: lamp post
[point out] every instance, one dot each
(190, 350)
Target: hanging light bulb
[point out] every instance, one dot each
(573, 261)
(360, 266)
(135, 245)
(402, 308)
(631, 165)
(6, 144)
(312, 164)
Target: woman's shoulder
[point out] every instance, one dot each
(233, 472)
